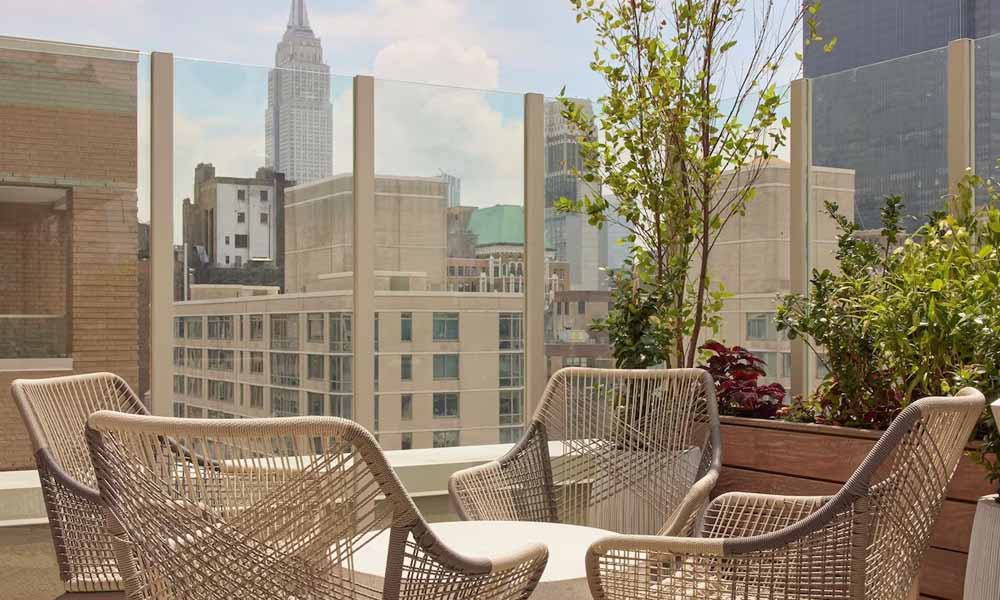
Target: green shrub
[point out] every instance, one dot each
(906, 316)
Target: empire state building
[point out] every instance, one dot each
(299, 118)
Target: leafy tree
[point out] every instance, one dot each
(679, 162)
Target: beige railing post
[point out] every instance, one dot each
(961, 111)
(536, 368)
(798, 261)
(161, 213)
(363, 379)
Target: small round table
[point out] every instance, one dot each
(565, 575)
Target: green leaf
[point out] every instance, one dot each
(937, 285)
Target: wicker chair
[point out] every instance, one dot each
(274, 508)
(866, 542)
(630, 451)
(55, 411)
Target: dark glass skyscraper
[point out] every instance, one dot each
(880, 97)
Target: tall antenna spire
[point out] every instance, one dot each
(298, 18)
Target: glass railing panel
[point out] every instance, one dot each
(449, 265)
(263, 231)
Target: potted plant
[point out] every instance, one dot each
(736, 371)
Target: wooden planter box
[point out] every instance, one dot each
(775, 457)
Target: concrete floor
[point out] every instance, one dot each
(28, 569)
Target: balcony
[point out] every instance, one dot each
(406, 266)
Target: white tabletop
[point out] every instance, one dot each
(567, 546)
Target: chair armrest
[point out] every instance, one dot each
(515, 487)
(740, 514)
(684, 520)
(48, 467)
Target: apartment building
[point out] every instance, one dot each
(751, 258)
(449, 366)
(234, 221)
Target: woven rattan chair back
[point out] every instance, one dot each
(868, 541)
(55, 411)
(614, 449)
(908, 489)
(272, 508)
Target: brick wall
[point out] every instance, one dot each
(70, 121)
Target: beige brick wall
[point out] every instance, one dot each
(71, 121)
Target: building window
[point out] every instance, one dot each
(314, 327)
(786, 364)
(340, 406)
(511, 435)
(315, 404)
(340, 332)
(178, 328)
(445, 405)
(257, 363)
(445, 366)
(406, 327)
(195, 412)
(285, 332)
(511, 407)
(446, 439)
(241, 240)
(194, 358)
(227, 243)
(284, 403)
(284, 369)
(406, 440)
(220, 328)
(770, 362)
(511, 370)
(406, 407)
(511, 336)
(241, 195)
(376, 338)
(222, 391)
(406, 367)
(192, 327)
(314, 366)
(179, 410)
(256, 328)
(263, 195)
(227, 259)
(178, 384)
(340, 374)
(760, 326)
(581, 307)
(445, 327)
(178, 357)
(220, 360)
(256, 396)
(263, 218)
(241, 217)
(194, 387)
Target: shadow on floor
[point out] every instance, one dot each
(28, 569)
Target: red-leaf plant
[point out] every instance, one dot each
(735, 371)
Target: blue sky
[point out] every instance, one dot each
(223, 49)
(536, 44)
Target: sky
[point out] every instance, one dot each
(495, 50)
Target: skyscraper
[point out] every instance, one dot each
(573, 238)
(299, 118)
(879, 98)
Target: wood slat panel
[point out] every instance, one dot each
(828, 457)
(943, 575)
(969, 482)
